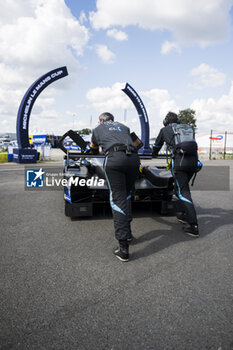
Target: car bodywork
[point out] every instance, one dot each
(87, 185)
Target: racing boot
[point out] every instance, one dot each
(191, 229)
(122, 252)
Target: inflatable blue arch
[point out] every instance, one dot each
(24, 154)
(143, 117)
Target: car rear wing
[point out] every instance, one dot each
(72, 154)
(74, 137)
(75, 155)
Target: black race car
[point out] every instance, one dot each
(87, 186)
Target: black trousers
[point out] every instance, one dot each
(121, 171)
(182, 179)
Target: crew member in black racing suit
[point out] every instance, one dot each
(183, 169)
(121, 170)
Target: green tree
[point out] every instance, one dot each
(188, 116)
(84, 131)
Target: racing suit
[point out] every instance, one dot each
(121, 168)
(182, 168)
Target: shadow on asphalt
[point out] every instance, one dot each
(209, 220)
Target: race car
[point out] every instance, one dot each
(87, 185)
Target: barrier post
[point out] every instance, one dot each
(211, 135)
(225, 145)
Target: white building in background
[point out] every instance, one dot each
(216, 140)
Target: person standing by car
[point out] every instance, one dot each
(121, 168)
(183, 167)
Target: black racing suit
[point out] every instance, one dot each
(182, 168)
(121, 170)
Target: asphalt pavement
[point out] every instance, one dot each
(62, 287)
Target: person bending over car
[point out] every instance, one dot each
(121, 168)
(184, 165)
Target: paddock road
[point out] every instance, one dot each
(62, 288)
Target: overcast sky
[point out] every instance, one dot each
(176, 54)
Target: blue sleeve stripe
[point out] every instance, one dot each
(113, 205)
(179, 194)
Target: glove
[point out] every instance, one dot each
(154, 151)
(169, 164)
(92, 151)
(199, 166)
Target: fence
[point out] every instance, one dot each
(215, 144)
